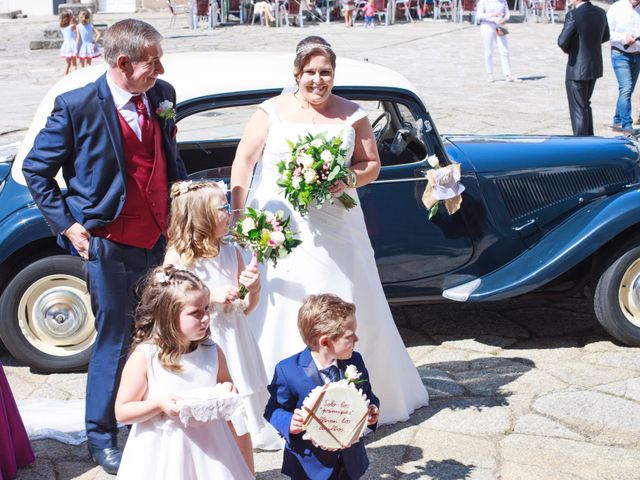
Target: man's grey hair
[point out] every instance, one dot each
(130, 38)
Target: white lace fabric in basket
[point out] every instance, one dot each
(210, 403)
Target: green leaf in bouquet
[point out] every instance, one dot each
(254, 235)
(334, 173)
(433, 210)
(317, 165)
(290, 143)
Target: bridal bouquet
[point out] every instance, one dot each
(315, 165)
(266, 235)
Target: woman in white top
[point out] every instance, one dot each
(493, 14)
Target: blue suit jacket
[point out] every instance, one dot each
(82, 136)
(293, 380)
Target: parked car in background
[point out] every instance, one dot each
(543, 214)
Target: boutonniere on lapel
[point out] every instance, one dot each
(166, 111)
(352, 375)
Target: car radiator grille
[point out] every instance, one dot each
(530, 193)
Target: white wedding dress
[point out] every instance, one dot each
(162, 447)
(335, 257)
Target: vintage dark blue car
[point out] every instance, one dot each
(556, 215)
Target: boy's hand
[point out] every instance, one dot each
(169, 404)
(250, 278)
(297, 422)
(373, 415)
(226, 294)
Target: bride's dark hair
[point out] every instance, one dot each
(309, 47)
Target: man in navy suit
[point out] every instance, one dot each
(114, 140)
(327, 325)
(585, 30)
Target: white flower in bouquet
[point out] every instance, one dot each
(247, 225)
(326, 156)
(278, 238)
(296, 182)
(305, 160)
(270, 217)
(433, 161)
(316, 143)
(310, 176)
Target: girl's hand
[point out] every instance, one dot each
(229, 387)
(169, 404)
(374, 412)
(250, 278)
(297, 422)
(226, 294)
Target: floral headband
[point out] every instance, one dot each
(186, 186)
(313, 46)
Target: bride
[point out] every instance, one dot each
(335, 255)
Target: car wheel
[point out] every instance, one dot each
(617, 296)
(46, 320)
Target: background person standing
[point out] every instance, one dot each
(117, 158)
(585, 29)
(624, 24)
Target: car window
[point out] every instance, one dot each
(405, 114)
(220, 124)
(374, 108)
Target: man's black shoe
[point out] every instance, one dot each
(107, 458)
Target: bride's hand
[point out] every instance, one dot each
(250, 278)
(337, 188)
(226, 294)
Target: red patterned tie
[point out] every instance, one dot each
(146, 129)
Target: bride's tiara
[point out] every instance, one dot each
(313, 46)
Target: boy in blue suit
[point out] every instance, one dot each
(327, 325)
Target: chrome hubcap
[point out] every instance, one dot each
(55, 315)
(629, 294)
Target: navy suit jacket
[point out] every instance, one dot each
(294, 378)
(585, 30)
(83, 137)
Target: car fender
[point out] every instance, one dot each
(21, 228)
(561, 249)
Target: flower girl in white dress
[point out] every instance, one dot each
(199, 221)
(173, 356)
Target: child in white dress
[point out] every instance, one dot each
(69, 47)
(88, 37)
(199, 221)
(172, 354)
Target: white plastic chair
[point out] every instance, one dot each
(178, 8)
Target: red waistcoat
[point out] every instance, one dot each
(145, 212)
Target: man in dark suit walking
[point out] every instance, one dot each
(585, 29)
(114, 140)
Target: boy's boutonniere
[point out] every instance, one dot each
(166, 111)
(352, 375)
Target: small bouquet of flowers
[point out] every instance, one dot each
(266, 235)
(443, 187)
(315, 165)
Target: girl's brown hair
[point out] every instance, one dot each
(193, 220)
(84, 16)
(163, 298)
(65, 18)
(309, 47)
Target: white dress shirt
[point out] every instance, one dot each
(623, 19)
(126, 107)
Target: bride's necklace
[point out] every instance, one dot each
(316, 117)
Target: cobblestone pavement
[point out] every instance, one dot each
(524, 389)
